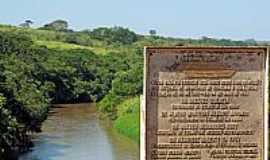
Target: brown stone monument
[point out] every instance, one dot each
(205, 103)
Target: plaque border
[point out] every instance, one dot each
(148, 51)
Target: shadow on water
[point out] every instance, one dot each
(73, 132)
(45, 146)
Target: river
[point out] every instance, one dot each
(73, 132)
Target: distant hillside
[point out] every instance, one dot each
(109, 38)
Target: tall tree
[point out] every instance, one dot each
(57, 25)
(27, 23)
(153, 32)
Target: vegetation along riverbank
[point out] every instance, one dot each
(54, 64)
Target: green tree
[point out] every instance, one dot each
(153, 32)
(8, 131)
(128, 83)
(57, 25)
(115, 34)
(26, 24)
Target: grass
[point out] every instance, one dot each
(69, 46)
(35, 34)
(128, 121)
(61, 45)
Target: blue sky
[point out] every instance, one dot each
(235, 19)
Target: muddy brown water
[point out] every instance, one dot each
(74, 132)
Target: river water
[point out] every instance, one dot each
(73, 132)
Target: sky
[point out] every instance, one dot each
(234, 19)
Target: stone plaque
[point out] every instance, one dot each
(205, 103)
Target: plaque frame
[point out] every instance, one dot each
(208, 49)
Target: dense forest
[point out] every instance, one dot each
(55, 64)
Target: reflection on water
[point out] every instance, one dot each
(73, 132)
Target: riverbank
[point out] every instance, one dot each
(124, 112)
(128, 118)
(35, 75)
